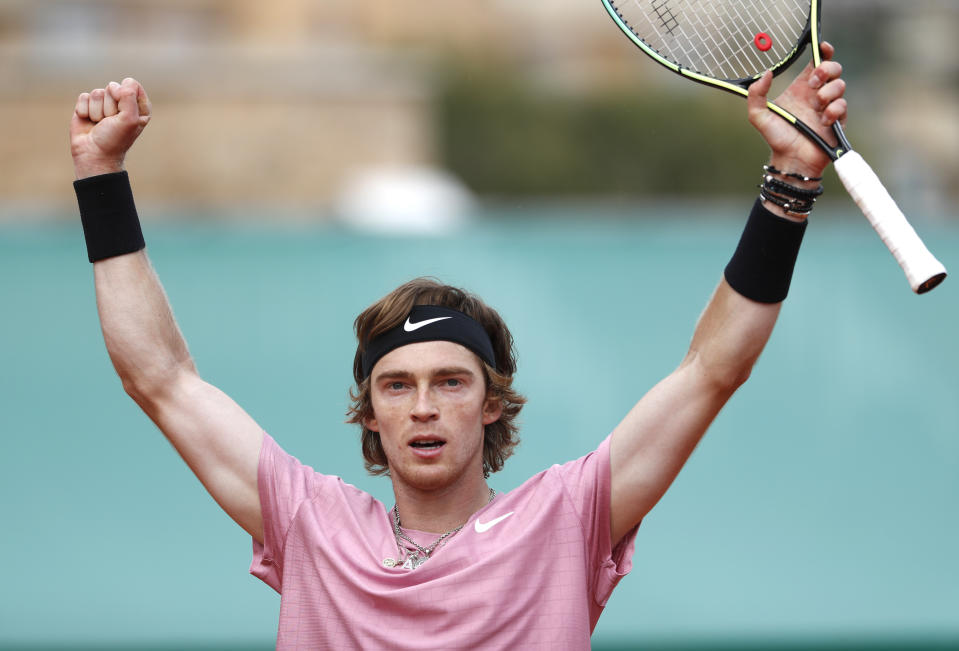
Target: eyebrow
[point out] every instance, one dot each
(453, 370)
(400, 374)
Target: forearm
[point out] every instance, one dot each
(729, 337)
(141, 335)
(739, 318)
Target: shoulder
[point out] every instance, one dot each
(302, 483)
(571, 478)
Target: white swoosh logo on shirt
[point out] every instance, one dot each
(483, 527)
(410, 327)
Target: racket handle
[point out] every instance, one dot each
(922, 269)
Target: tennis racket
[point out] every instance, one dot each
(728, 44)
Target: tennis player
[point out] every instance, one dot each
(453, 565)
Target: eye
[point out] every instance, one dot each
(395, 386)
(452, 382)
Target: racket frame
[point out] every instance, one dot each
(809, 35)
(922, 269)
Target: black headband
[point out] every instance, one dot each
(431, 323)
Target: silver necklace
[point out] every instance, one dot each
(422, 554)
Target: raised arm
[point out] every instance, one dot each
(650, 446)
(215, 437)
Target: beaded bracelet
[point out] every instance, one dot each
(795, 201)
(772, 170)
(791, 206)
(773, 184)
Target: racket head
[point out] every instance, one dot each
(724, 43)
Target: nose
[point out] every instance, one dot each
(424, 409)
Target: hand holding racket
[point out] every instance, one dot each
(730, 44)
(816, 97)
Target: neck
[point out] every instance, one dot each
(439, 511)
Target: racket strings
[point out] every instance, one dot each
(665, 15)
(711, 41)
(744, 40)
(718, 38)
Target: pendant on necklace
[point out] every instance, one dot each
(390, 562)
(413, 561)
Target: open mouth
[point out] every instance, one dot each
(427, 445)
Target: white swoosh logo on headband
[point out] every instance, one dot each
(410, 327)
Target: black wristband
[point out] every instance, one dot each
(109, 215)
(762, 266)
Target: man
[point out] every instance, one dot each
(453, 564)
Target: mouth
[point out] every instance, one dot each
(426, 447)
(427, 444)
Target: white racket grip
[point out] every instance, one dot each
(922, 269)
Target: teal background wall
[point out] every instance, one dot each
(821, 507)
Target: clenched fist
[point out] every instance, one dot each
(105, 124)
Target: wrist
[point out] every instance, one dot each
(782, 214)
(86, 167)
(761, 269)
(800, 167)
(788, 194)
(108, 215)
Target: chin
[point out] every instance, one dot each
(430, 477)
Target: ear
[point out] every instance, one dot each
(371, 424)
(492, 410)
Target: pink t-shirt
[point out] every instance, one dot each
(531, 570)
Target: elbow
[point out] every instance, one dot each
(138, 389)
(722, 378)
(737, 378)
(148, 386)
(725, 384)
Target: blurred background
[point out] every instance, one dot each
(306, 156)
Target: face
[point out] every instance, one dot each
(430, 408)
